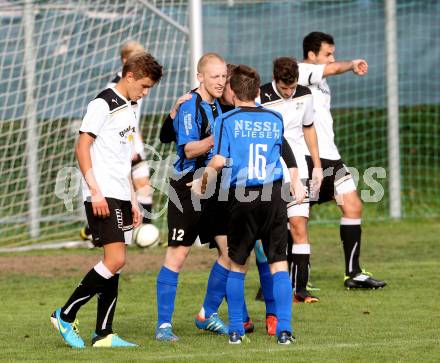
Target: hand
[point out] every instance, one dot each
(360, 67)
(210, 141)
(179, 101)
(298, 190)
(100, 206)
(136, 213)
(315, 184)
(196, 187)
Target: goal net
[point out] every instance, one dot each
(56, 56)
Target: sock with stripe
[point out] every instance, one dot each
(350, 230)
(166, 288)
(106, 306)
(95, 281)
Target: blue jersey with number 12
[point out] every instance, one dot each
(251, 138)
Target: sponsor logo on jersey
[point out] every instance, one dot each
(256, 129)
(187, 118)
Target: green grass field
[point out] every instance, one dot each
(400, 323)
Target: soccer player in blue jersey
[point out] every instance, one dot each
(249, 141)
(194, 141)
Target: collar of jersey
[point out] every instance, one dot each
(274, 86)
(119, 94)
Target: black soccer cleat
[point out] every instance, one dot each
(259, 296)
(363, 281)
(304, 297)
(286, 338)
(235, 338)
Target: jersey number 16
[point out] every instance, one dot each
(257, 161)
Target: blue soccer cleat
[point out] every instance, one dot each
(165, 333)
(213, 324)
(110, 341)
(69, 331)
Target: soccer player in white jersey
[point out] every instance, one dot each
(319, 64)
(140, 170)
(295, 103)
(104, 150)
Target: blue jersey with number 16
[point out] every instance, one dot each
(251, 138)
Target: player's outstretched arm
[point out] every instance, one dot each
(357, 66)
(82, 151)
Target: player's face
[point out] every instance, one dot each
(286, 90)
(139, 88)
(213, 78)
(326, 54)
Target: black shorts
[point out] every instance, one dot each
(116, 228)
(250, 221)
(335, 172)
(215, 217)
(183, 218)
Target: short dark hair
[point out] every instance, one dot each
(245, 82)
(285, 69)
(230, 67)
(312, 42)
(143, 65)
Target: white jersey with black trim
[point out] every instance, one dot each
(297, 112)
(311, 76)
(136, 105)
(111, 120)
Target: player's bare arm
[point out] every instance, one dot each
(135, 211)
(82, 151)
(194, 149)
(357, 66)
(312, 144)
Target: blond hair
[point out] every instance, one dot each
(206, 58)
(129, 48)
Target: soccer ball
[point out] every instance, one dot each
(146, 236)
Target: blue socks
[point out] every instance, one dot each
(166, 294)
(216, 290)
(282, 292)
(235, 295)
(267, 287)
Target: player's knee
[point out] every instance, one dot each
(175, 258)
(352, 207)
(298, 228)
(115, 264)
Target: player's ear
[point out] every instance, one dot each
(311, 55)
(258, 94)
(130, 77)
(200, 77)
